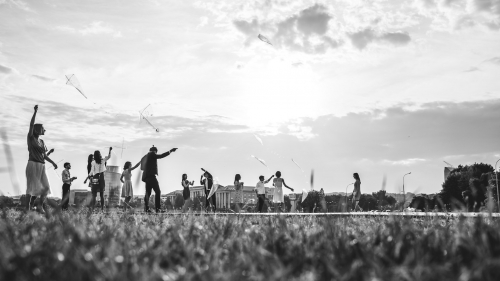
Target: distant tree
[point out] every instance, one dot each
(383, 200)
(6, 202)
(311, 200)
(367, 202)
(423, 202)
(197, 202)
(168, 204)
(179, 201)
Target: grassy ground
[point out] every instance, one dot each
(75, 246)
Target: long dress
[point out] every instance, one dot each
(278, 196)
(127, 189)
(238, 195)
(36, 176)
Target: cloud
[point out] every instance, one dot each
(305, 31)
(43, 78)
(495, 60)
(362, 38)
(4, 69)
(472, 69)
(404, 162)
(94, 28)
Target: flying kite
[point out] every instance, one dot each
(260, 160)
(312, 179)
(297, 165)
(71, 80)
(304, 195)
(142, 116)
(264, 39)
(259, 139)
(215, 186)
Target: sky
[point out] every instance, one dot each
(381, 88)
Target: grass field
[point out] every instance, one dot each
(76, 246)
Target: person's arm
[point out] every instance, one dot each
(269, 179)
(136, 165)
(160, 156)
(107, 157)
(91, 173)
(50, 151)
(287, 185)
(202, 182)
(50, 160)
(32, 123)
(121, 178)
(191, 183)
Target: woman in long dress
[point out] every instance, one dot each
(356, 193)
(238, 195)
(36, 177)
(186, 193)
(127, 189)
(279, 197)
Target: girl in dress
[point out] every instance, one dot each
(186, 193)
(356, 193)
(127, 190)
(238, 195)
(278, 196)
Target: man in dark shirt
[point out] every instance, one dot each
(149, 165)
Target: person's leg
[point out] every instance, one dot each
(207, 201)
(31, 202)
(156, 188)
(92, 201)
(261, 202)
(41, 201)
(146, 196)
(127, 200)
(65, 196)
(102, 200)
(214, 202)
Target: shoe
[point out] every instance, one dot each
(148, 211)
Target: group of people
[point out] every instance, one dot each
(38, 185)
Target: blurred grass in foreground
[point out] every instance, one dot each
(75, 246)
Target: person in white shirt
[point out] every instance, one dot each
(260, 190)
(67, 180)
(97, 177)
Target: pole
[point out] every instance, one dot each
(404, 195)
(496, 180)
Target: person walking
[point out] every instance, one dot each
(127, 189)
(67, 180)
(279, 197)
(260, 190)
(89, 166)
(96, 173)
(36, 177)
(186, 193)
(356, 193)
(207, 181)
(149, 165)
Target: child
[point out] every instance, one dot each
(186, 193)
(127, 190)
(278, 196)
(67, 180)
(260, 190)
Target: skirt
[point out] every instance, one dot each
(238, 196)
(127, 189)
(278, 196)
(36, 179)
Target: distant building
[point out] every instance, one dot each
(170, 196)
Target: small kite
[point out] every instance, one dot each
(304, 195)
(260, 160)
(259, 139)
(142, 116)
(215, 186)
(312, 179)
(71, 80)
(264, 39)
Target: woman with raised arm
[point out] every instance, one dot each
(279, 196)
(36, 176)
(127, 190)
(97, 177)
(207, 181)
(186, 193)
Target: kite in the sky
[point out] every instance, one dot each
(297, 165)
(71, 80)
(260, 160)
(312, 179)
(142, 116)
(304, 195)
(259, 139)
(264, 39)
(215, 186)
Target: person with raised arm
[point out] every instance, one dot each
(127, 189)
(36, 177)
(96, 173)
(260, 190)
(279, 196)
(186, 193)
(207, 181)
(149, 165)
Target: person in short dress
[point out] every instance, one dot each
(279, 197)
(67, 181)
(97, 176)
(127, 189)
(207, 181)
(238, 194)
(356, 193)
(36, 177)
(260, 190)
(186, 193)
